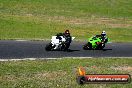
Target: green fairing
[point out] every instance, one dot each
(93, 41)
(96, 42)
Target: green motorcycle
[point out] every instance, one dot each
(96, 42)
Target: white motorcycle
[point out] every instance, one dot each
(57, 44)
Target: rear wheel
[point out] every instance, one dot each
(101, 46)
(64, 47)
(49, 47)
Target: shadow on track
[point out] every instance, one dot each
(98, 49)
(106, 49)
(70, 50)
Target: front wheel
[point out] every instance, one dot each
(49, 47)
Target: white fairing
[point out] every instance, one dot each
(63, 39)
(56, 42)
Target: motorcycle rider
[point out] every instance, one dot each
(104, 37)
(67, 36)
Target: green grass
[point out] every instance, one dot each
(60, 73)
(40, 19)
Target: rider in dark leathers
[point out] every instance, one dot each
(67, 36)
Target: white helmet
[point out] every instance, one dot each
(103, 33)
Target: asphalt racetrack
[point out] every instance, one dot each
(11, 49)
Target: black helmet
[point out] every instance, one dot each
(67, 32)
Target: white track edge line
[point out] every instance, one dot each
(57, 58)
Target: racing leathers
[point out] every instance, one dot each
(103, 38)
(67, 37)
